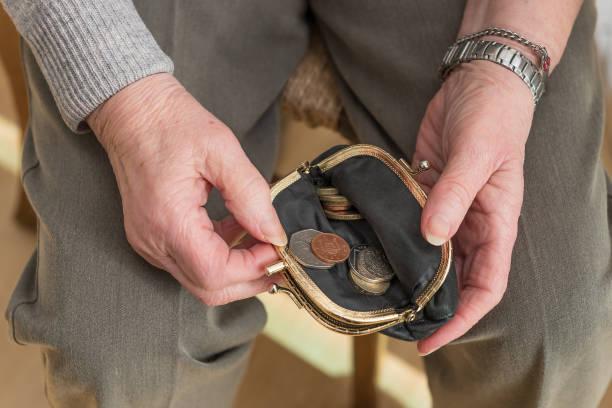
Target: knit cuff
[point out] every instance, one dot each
(88, 50)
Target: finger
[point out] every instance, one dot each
(230, 230)
(211, 265)
(237, 291)
(231, 293)
(453, 194)
(475, 303)
(484, 276)
(246, 242)
(245, 191)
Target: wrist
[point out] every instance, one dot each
(540, 21)
(132, 108)
(491, 75)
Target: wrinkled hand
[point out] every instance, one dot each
(474, 134)
(167, 152)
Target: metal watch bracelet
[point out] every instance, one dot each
(502, 54)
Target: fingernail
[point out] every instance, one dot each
(439, 229)
(427, 353)
(273, 232)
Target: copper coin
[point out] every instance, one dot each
(330, 248)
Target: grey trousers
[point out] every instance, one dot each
(116, 332)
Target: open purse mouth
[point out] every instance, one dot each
(389, 201)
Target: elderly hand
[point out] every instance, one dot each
(474, 134)
(167, 153)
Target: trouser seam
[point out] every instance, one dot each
(30, 301)
(27, 171)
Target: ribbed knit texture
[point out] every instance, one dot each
(88, 50)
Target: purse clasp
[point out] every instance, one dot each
(275, 268)
(276, 289)
(423, 166)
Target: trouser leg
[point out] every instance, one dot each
(549, 342)
(114, 330)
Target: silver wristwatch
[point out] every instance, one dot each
(508, 57)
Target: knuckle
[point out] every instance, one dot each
(134, 237)
(499, 283)
(207, 282)
(498, 294)
(458, 193)
(206, 299)
(247, 188)
(202, 282)
(214, 298)
(249, 192)
(222, 142)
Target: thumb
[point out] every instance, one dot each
(246, 194)
(452, 195)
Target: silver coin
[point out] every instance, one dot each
(299, 246)
(342, 215)
(370, 264)
(325, 191)
(334, 199)
(368, 287)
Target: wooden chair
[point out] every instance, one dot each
(310, 96)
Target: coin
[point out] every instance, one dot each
(335, 199)
(337, 207)
(368, 287)
(342, 215)
(326, 191)
(299, 246)
(330, 248)
(369, 269)
(373, 266)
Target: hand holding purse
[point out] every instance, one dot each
(357, 261)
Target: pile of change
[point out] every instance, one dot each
(337, 206)
(369, 268)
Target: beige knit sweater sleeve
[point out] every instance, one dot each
(88, 50)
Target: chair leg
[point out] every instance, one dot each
(366, 359)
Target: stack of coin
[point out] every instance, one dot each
(336, 206)
(369, 269)
(318, 250)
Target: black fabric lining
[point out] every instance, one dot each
(391, 221)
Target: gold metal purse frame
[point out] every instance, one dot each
(306, 294)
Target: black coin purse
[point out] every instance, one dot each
(422, 295)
